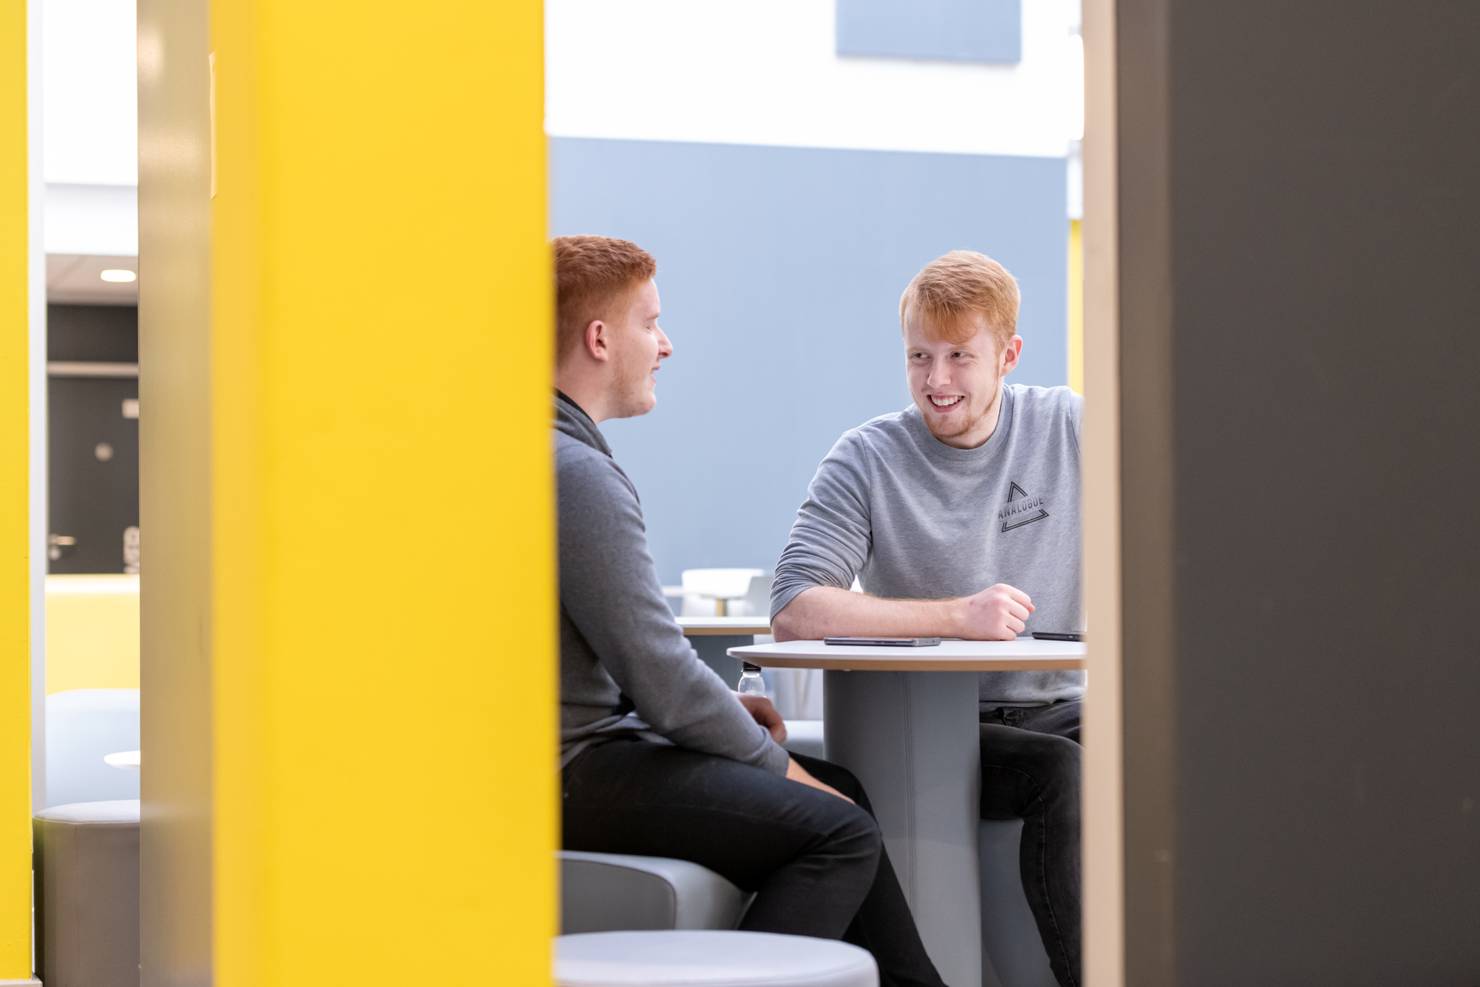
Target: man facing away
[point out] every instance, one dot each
(658, 757)
(960, 517)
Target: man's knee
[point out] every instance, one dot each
(1059, 766)
(857, 836)
(1037, 767)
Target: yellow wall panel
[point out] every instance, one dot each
(382, 533)
(15, 593)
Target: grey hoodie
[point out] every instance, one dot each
(625, 666)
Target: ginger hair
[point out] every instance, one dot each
(592, 275)
(953, 288)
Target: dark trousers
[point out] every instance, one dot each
(816, 864)
(1031, 771)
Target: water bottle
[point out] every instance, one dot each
(751, 683)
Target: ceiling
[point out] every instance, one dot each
(73, 279)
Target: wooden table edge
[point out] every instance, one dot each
(746, 630)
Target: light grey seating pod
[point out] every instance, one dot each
(1012, 949)
(603, 892)
(87, 894)
(82, 725)
(709, 959)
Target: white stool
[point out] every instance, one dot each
(709, 959)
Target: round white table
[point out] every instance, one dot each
(912, 740)
(124, 760)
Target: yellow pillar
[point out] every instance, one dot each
(15, 591)
(376, 593)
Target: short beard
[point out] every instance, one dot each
(968, 423)
(638, 400)
(966, 426)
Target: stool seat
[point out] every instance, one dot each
(87, 894)
(709, 959)
(612, 892)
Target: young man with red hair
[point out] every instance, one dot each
(658, 756)
(960, 517)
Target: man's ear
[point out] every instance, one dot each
(597, 339)
(1011, 353)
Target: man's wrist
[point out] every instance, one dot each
(955, 617)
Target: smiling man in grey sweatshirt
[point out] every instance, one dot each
(960, 517)
(658, 756)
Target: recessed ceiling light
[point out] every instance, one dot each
(118, 275)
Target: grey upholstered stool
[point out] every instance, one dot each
(606, 892)
(709, 959)
(1012, 950)
(87, 894)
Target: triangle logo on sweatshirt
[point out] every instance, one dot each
(1021, 509)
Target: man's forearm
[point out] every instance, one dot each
(826, 610)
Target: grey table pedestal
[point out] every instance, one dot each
(904, 720)
(912, 740)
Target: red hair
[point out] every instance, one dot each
(952, 288)
(591, 274)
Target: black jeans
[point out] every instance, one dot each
(1031, 771)
(816, 864)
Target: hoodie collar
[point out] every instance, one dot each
(571, 419)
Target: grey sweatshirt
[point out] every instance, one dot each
(625, 666)
(914, 518)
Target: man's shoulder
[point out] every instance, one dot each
(879, 433)
(579, 463)
(570, 450)
(1060, 397)
(1033, 404)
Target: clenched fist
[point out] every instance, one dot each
(997, 613)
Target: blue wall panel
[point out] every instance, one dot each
(780, 271)
(959, 30)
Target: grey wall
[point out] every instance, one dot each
(91, 500)
(780, 271)
(958, 30)
(1301, 405)
(102, 333)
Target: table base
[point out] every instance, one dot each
(912, 740)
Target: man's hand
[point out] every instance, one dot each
(760, 708)
(795, 772)
(997, 613)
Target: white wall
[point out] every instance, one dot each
(727, 71)
(89, 93)
(767, 72)
(89, 126)
(732, 71)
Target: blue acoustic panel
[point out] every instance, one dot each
(959, 30)
(780, 271)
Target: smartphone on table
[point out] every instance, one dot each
(884, 642)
